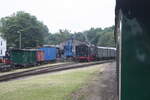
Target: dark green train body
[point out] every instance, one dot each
(23, 57)
(133, 31)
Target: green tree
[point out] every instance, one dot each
(92, 35)
(59, 37)
(100, 37)
(33, 32)
(97, 36)
(79, 36)
(106, 37)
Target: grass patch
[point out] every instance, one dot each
(55, 86)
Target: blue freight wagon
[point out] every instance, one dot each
(68, 48)
(50, 53)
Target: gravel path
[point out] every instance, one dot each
(102, 86)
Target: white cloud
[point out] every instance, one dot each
(75, 15)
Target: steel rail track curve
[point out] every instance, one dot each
(42, 70)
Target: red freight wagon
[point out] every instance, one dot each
(40, 56)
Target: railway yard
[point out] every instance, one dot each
(62, 81)
(68, 54)
(87, 57)
(51, 73)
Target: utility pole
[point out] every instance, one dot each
(19, 39)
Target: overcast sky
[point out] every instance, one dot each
(75, 15)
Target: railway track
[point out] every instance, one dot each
(48, 69)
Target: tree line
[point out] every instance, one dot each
(34, 33)
(96, 36)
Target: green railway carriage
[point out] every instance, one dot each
(132, 33)
(23, 57)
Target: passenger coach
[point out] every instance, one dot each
(91, 53)
(105, 53)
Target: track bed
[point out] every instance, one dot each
(48, 69)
